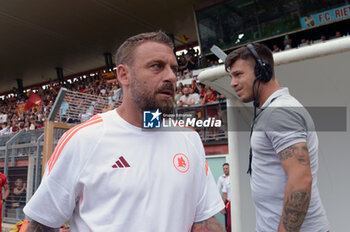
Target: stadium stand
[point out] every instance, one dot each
(28, 124)
(14, 118)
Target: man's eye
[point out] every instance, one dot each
(157, 66)
(175, 70)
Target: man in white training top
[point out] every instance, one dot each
(109, 174)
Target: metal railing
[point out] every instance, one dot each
(20, 156)
(209, 111)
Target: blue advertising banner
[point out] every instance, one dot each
(325, 17)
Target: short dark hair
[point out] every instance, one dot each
(244, 53)
(125, 51)
(225, 164)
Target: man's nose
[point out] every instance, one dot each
(234, 82)
(170, 75)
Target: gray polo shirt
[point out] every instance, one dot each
(281, 122)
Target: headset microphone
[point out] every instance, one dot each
(263, 72)
(256, 103)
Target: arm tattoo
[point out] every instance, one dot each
(303, 156)
(37, 227)
(295, 209)
(299, 151)
(286, 153)
(209, 225)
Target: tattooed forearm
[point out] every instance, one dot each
(295, 209)
(37, 227)
(210, 225)
(300, 151)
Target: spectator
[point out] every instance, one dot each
(5, 129)
(182, 63)
(3, 117)
(20, 196)
(194, 88)
(32, 125)
(14, 128)
(26, 126)
(196, 97)
(40, 120)
(103, 90)
(209, 96)
(178, 95)
(181, 75)
(211, 63)
(223, 185)
(201, 90)
(322, 39)
(287, 43)
(180, 86)
(276, 48)
(190, 63)
(303, 43)
(187, 99)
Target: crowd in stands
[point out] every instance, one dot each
(196, 93)
(12, 120)
(191, 60)
(287, 42)
(187, 62)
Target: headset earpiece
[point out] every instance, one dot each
(266, 71)
(262, 69)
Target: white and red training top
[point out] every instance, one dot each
(108, 175)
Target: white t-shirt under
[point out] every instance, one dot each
(220, 182)
(187, 99)
(226, 187)
(108, 175)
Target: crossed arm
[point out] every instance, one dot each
(295, 162)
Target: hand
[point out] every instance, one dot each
(15, 205)
(223, 211)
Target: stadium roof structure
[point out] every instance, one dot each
(38, 36)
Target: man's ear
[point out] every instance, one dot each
(123, 74)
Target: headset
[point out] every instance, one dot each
(262, 69)
(263, 72)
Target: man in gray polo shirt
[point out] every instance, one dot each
(284, 147)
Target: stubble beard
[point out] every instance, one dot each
(146, 100)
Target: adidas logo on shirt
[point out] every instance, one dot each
(121, 163)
